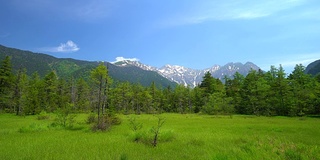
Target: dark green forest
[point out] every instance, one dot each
(67, 67)
(271, 93)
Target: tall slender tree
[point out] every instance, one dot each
(233, 90)
(99, 77)
(82, 95)
(50, 92)
(20, 89)
(6, 84)
(35, 94)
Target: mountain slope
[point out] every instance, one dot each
(192, 77)
(67, 67)
(313, 68)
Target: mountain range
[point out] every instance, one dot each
(131, 71)
(67, 67)
(192, 77)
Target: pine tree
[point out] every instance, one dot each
(181, 98)
(20, 91)
(198, 99)
(233, 90)
(34, 95)
(156, 95)
(167, 99)
(302, 88)
(50, 83)
(207, 84)
(6, 84)
(254, 94)
(82, 95)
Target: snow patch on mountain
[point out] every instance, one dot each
(192, 77)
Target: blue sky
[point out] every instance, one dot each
(194, 33)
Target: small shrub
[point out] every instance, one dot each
(134, 125)
(140, 136)
(151, 137)
(116, 120)
(156, 131)
(102, 126)
(92, 118)
(43, 115)
(106, 122)
(64, 119)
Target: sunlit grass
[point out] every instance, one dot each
(185, 136)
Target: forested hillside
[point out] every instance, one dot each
(259, 93)
(67, 68)
(313, 68)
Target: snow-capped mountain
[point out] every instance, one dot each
(135, 63)
(192, 77)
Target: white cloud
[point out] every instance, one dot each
(303, 59)
(67, 47)
(119, 59)
(230, 10)
(289, 62)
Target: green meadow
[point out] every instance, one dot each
(182, 136)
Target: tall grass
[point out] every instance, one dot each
(181, 137)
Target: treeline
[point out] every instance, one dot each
(259, 93)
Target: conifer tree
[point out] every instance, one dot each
(82, 95)
(20, 91)
(50, 83)
(34, 95)
(6, 84)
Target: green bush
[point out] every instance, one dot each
(43, 115)
(105, 123)
(92, 118)
(64, 119)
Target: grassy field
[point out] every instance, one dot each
(181, 137)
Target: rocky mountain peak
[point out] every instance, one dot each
(192, 77)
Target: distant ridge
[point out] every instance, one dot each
(67, 68)
(192, 77)
(313, 68)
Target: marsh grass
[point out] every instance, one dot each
(181, 137)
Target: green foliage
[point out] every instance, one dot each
(33, 128)
(64, 118)
(218, 103)
(92, 118)
(6, 84)
(106, 122)
(156, 131)
(268, 93)
(65, 68)
(191, 136)
(292, 155)
(134, 125)
(149, 137)
(43, 115)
